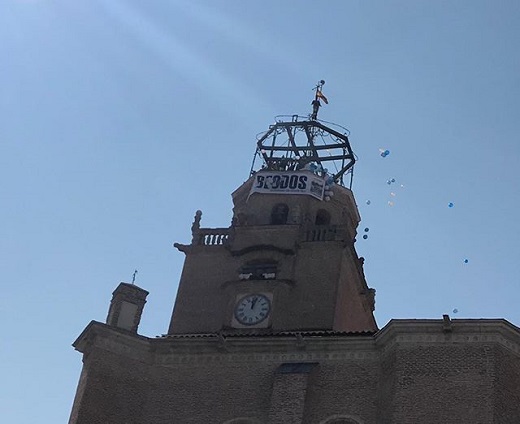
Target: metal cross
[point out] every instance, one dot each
(133, 276)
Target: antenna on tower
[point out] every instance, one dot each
(316, 102)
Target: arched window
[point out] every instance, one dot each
(342, 419)
(322, 217)
(279, 214)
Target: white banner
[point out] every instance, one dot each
(288, 182)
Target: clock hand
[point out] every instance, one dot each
(253, 303)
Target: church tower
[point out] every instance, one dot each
(287, 262)
(273, 321)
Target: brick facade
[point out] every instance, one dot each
(411, 371)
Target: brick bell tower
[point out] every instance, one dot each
(287, 262)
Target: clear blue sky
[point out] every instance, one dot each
(120, 118)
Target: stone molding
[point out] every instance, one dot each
(218, 349)
(112, 339)
(175, 359)
(424, 332)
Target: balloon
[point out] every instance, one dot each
(368, 202)
(466, 261)
(365, 236)
(450, 205)
(367, 230)
(455, 310)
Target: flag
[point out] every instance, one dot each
(320, 95)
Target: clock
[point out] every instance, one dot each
(252, 309)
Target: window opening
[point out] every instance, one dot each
(279, 214)
(259, 271)
(322, 217)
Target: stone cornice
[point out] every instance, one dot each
(291, 348)
(116, 340)
(202, 348)
(284, 347)
(426, 331)
(271, 343)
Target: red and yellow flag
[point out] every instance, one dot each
(320, 95)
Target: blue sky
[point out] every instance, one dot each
(120, 118)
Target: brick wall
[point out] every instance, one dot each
(116, 390)
(344, 386)
(441, 384)
(507, 396)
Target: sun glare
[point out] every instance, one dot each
(222, 88)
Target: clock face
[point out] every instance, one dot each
(252, 309)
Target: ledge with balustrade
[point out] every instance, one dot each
(211, 236)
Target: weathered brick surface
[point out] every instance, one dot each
(387, 385)
(198, 392)
(343, 386)
(288, 398)
(507, 387)
(116, 390)
(449, 383)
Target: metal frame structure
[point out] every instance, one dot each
(291, 145)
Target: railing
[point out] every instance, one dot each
(321, 233)
(211, 236)
(220, 236)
